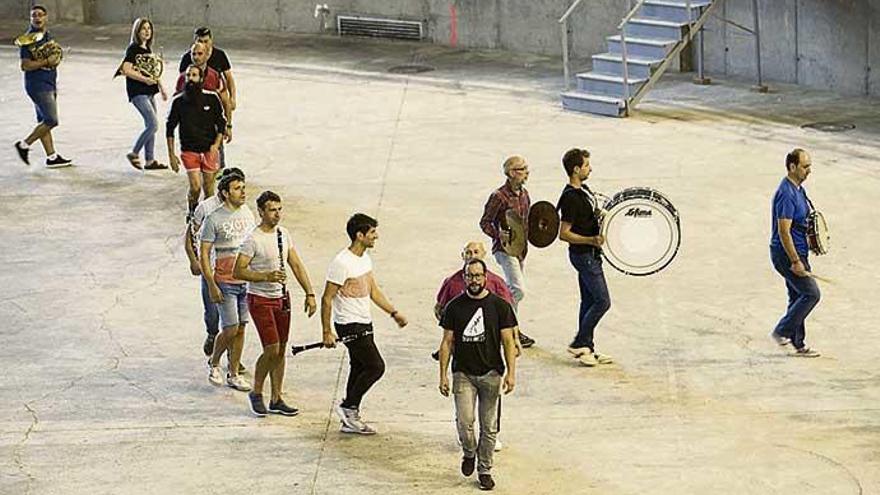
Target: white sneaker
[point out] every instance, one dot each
(365, 429)
(349, 417)
(806, 352)
(215, 376)
(603, 358)
(577, 352)
(779, 339)
(588, 359)
(498, 445)
(238, 382)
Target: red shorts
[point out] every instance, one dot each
(194, 161)
(272, 322)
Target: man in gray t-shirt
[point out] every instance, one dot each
(261, 262)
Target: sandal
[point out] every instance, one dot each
(134, 160)
(155, 165)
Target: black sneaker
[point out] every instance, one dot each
(467, 465)
(525, 340)
(22, 153)
(486, 482)
(257, 405)
(280, 407)
(208, 346)
(436, 355)
(58, 162)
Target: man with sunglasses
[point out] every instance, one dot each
(511, 196)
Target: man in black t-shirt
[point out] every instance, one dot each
(579, 227)
(476, 325)
(217, 60)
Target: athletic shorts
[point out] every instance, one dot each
(270, 317)
(194, 161)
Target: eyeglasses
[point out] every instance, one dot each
(520, 169)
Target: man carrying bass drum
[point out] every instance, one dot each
(579, 227)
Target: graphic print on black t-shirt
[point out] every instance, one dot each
(476, 325)
(475, 330)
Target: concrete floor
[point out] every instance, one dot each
(105, 389)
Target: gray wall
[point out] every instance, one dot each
(516, 25)
(824, 44)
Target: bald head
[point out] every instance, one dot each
(199, 53)
(473, 250)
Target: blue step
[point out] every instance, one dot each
(604, 84)
(598, 104)
(641, 47)
(654, 28)
(612, 64)
(672, 10)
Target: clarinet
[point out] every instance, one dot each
(285, 300)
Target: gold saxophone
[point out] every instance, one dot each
(149, 64)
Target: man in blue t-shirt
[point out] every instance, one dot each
(40, 74)
(789, 250)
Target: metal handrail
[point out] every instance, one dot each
(569, 11)
(563, 22)
(630, 15)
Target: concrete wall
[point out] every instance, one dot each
(516, 25)
(825, 44)
(64, 10)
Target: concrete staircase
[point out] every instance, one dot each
(655, 36)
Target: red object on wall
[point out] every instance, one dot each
(453, 25)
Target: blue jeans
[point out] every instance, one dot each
(803, 295)
(483, 393)
(212, 316)
(146, 106)
(595, 301)
(46, 104)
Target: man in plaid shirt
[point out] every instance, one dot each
(512, 195)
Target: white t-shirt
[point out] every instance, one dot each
(353, 274)
(262, 248)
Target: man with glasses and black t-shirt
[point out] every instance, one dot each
(349, 289)
(475, 326)
(579, 227)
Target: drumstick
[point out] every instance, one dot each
(820, 278)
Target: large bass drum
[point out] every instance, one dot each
(642, 231)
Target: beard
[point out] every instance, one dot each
(475, 289)
(193, 92)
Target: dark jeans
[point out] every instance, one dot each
(803, 295)
(595, 300)
(367, 367)
(212, 316)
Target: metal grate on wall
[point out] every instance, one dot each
(350, 25)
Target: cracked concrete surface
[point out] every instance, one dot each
(105, 389)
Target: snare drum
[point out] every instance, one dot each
(642, 231)
(818, 237)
